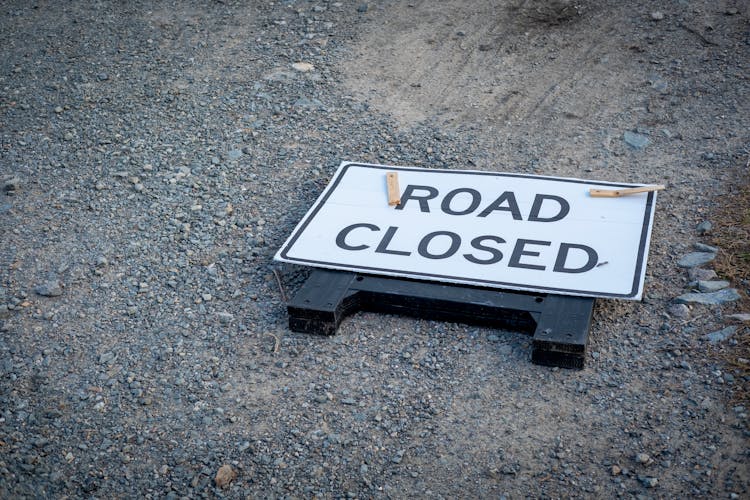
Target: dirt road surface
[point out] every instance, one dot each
(154, 155)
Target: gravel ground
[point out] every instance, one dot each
(153, 156)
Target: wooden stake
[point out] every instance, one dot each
(616, 193)
(394, 193)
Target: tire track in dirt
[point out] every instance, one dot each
(471, 71)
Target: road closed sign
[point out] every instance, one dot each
(502, 230)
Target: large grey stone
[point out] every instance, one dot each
(711, 299)
(696, 259)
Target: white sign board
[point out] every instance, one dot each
(503, 230)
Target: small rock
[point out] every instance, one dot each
(101, 261)
(12, 185)
(704, 227)
(702, 247)
(712, 286)
(696, 259)
(657, 15)
(720, 335)
(680, 311)
(699, 274)
(615, 470)
(303, 67)
(52, 288)
(657, 83)
(715, 298)
(224, 476)
(398, 457)
(362, 8)
(58, 109)
(235, 154)
(649, 482)
(102, 77)
(635, 140)
(306, 103)
(740, 316)
(225, 317)
(106, 357)
(643, 458)
(731, 11)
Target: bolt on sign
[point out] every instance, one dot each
(491, 229)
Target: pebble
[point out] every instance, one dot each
(649, 482)
(696, 259)
(720, 335)
(362, 8)
(712, 286)
(643, 458)
(303, 67)
(635, 140)
(740, 316)
(106, 358)
(659, 84)
(12, 185)
(51, 288)
(225, 317)
(700, 274)
(224, 476)
(307, 103)
(702, 247)
(657, 15)
(235, 154)
(714, 298)
(704, 227)
(680, 311)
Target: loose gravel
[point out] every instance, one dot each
(154, 156)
